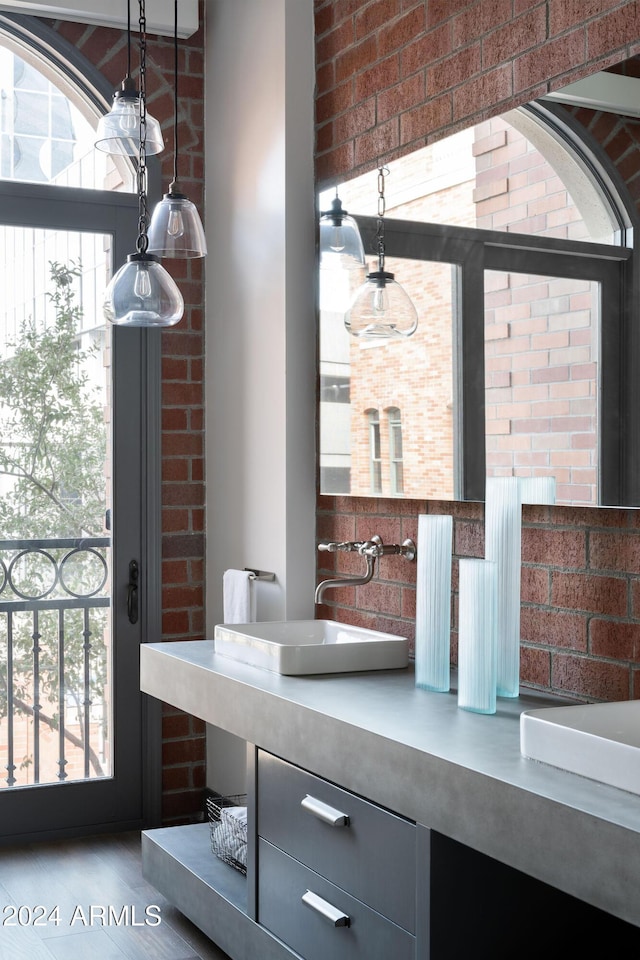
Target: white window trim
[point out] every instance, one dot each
(159, 14)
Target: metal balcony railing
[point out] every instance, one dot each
(51, 595)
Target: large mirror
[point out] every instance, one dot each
(513, 240)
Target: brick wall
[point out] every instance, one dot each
(182, 384)
(541, 333)
(580, 615)
(393, 75)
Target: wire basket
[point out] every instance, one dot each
(228, 823)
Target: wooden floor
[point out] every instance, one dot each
(87, 900)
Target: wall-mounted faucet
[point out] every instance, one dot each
(371, 550)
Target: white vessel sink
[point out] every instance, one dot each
(296, 647)
(597, 740)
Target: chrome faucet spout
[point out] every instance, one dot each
(346, 581)
(371, 550)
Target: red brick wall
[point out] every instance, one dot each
(182, 385)
(580, 615)
(393, 75)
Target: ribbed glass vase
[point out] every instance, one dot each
(477, 607)
(433, 602)
(538, 489)
(503, 538)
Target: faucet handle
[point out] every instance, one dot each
(376, 548)
(333, 547)
(372, 547)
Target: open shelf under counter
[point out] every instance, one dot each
(179, 863)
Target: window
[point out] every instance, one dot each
(375, 458)
(395, 452)
(73, 406)
(46, 136)
(513, 239)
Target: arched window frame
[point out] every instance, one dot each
(471, 251)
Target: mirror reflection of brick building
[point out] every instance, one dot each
(407, 386)
(540, 356)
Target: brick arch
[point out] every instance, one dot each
(619, 137)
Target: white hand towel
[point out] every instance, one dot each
(236, 591)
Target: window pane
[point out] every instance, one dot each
(399, 477)
(541, 369)
(415, 375)
(45, 136)
(376, 477)
(55, 490)
(395, 430)
(494, 176)
(375, 439)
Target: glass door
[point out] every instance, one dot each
(56, 710)
(79, 421)
(72, 524)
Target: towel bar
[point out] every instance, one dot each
(260, 574)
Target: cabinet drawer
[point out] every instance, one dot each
(372, 856)
(282, 884)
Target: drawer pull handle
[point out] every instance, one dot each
(326, 910)
(324, 812)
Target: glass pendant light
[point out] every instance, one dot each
(340, 240)
(176, 229)
(381, 308)
(118, 132)
(142, 293)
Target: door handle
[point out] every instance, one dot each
(132, 591)
(327, 911)
(321, 810)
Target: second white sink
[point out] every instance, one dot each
(297, 647)
(597, 740)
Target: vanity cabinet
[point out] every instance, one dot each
(329, 874)
(455, 845)
(336, 874)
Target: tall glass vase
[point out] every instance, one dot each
(433, 602)
(503, 538)
(538, 489)
(477, 648)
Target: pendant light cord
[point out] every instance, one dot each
(128, 39)
(143, 240)
(382, 172)
(173, 186)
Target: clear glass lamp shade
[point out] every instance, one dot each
(381, 310)
(143, 294)
(340, 242)
(176, 228)
(118, 132)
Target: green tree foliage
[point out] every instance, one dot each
(53, 445)
(52, 431)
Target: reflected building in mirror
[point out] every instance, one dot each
(388, 417)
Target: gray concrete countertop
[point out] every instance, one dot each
(416, 753)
